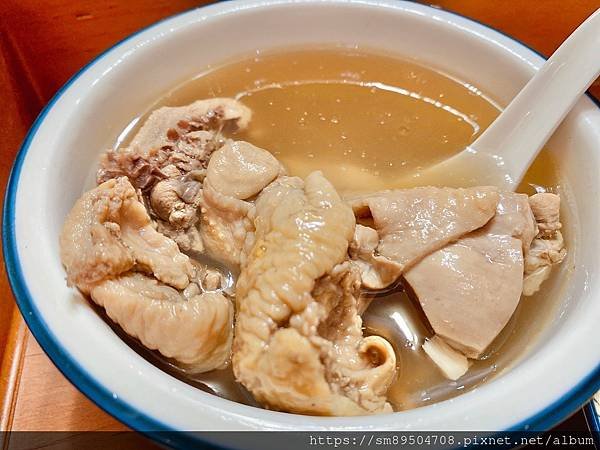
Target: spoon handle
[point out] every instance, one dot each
(530, 119)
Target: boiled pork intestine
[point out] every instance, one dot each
(299, 344)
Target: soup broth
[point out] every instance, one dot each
(366, 120)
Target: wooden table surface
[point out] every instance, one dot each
(41, 45)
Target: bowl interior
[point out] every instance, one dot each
(87, 117)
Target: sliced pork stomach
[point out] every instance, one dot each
(415, 222)
(108, 231)
(290, 297)
(469, 289)
(236, 172)
(196, 332)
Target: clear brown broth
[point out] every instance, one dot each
(366, 120)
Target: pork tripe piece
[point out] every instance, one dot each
(241, 170)
(415, 222)
(548, 247)
(107, 236)
(544, 253)
(546, 210)
(189, 153)
(515, 218)
(236, 172)
(298, 344)
(174, 141)
(469, 289)
(108, 232)
(196, 332)
(175, 203)
(167, 161)
(176, 200)
(168, 124)
(224, 225)
(377, 272)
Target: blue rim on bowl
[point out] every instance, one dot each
(126, 413)
(592, 414)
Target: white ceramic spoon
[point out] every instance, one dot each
(504, 152)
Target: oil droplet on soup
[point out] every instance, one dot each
(366, 120)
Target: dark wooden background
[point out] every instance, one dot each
(42, 43)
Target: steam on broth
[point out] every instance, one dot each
(365, 120)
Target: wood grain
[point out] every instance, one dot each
(541, 24)
(12, 368)
(42, 44)
(70, 411)
(57, 37)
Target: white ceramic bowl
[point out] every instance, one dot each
(88, 113)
